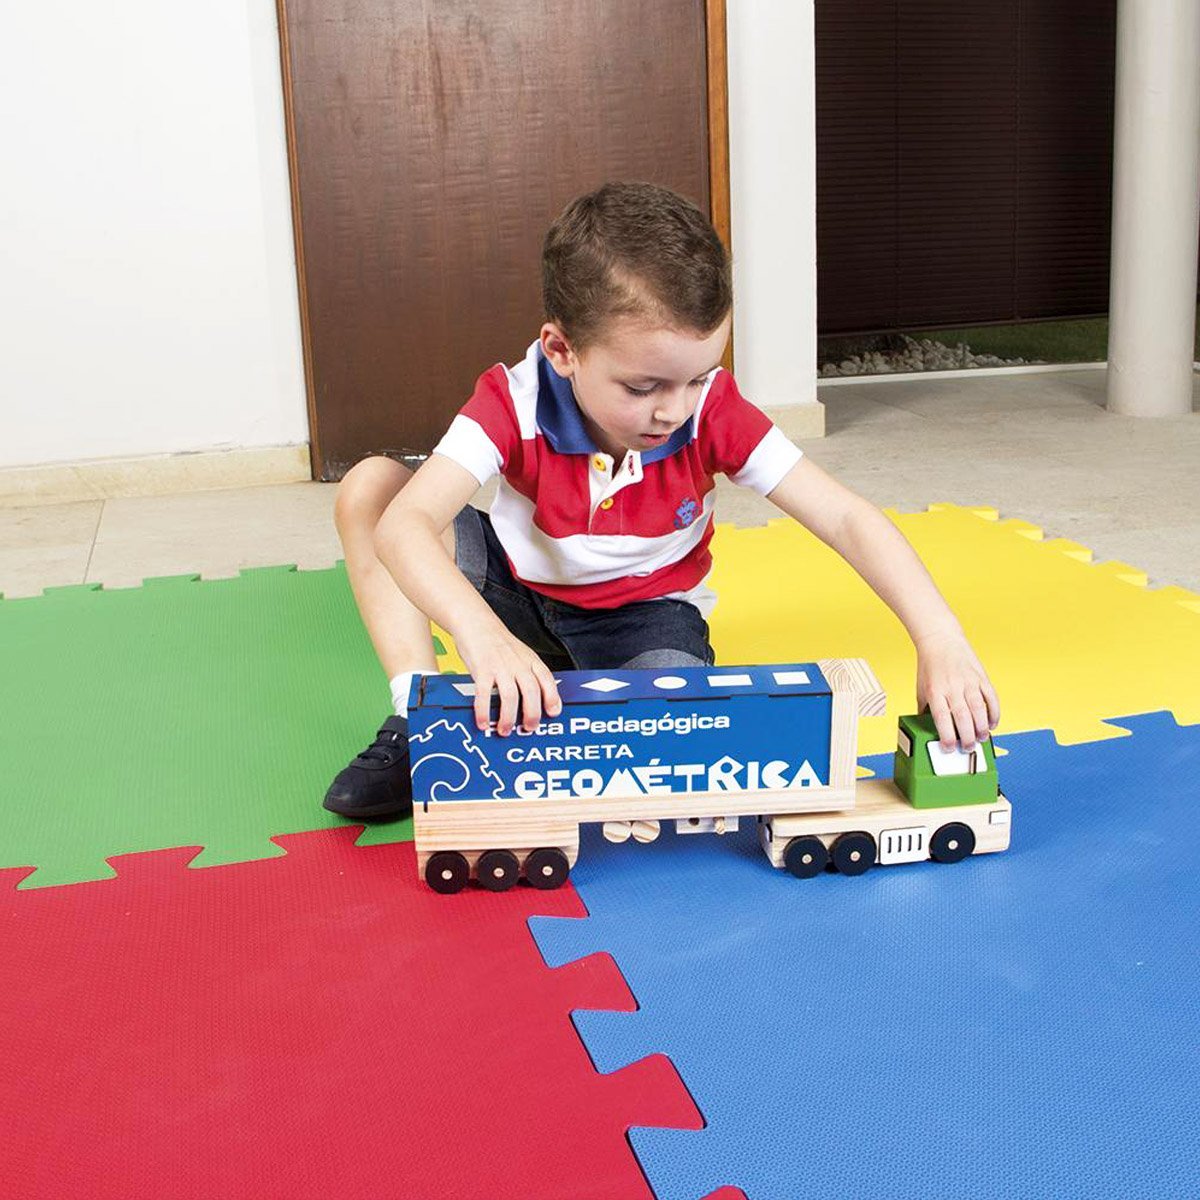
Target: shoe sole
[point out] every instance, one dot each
(379, 810)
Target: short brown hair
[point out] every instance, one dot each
(633, 249)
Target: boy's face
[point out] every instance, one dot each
(638, 383)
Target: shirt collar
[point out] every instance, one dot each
(561, 422)
(558, 415)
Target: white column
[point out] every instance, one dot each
(1156, 208)
(773, 203)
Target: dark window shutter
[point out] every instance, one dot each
(964, 161)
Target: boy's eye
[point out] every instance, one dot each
(649, 391)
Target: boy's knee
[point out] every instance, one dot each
(663, 658)
(366, 490)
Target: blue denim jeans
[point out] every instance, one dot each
(644, 633)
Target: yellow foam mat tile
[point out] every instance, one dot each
(1069, 548)
(1189, 600)
(1067, 643)
(448, 660)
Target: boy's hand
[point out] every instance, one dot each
(953, 685)
(497, 659)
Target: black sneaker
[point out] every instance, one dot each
(377, 783)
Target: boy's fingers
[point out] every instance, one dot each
(993, 705)
(550, 698)
(980, 714)
(944, 723)
(508, 707)
(483, 703)
(531, 701)
(964, 722)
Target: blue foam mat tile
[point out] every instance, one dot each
(1025, 1023)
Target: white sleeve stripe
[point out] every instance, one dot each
(523, 389)
(466, 444)
(769, 462)
(712, 375)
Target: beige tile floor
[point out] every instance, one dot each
(1038, 447)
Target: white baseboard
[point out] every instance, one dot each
(152, 475)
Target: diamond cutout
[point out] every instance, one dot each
(604, 685)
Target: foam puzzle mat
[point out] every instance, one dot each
(215, 712)
(183, 712)
(232, 1017)
(1068, 643)
(1022, 1024)
(309, 1026)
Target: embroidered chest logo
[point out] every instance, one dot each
(685, 514)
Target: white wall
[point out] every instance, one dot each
(773, 198)
(147, 277)
(148, 299)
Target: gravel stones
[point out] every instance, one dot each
(916, 355)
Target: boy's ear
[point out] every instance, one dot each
(556, 346)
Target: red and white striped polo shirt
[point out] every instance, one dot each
(583, 528)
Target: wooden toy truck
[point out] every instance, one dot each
(703, 746)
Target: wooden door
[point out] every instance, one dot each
(431, 145)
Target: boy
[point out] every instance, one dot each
(606, 437)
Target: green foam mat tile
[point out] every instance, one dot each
(182, 712)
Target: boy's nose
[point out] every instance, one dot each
(671, 409)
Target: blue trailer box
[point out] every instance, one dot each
(629, 733)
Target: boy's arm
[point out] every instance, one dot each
(408, 541)
(951, 681)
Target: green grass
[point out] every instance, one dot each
(1051, 341)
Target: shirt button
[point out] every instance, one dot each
(598, 463)
(606, 504)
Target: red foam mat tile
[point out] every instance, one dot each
(314, 1025)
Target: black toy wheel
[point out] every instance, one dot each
(805, 857)
(498, 870)
(447, 872)
(854, 853)
(547, 868)
(952, 843)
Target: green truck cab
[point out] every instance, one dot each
(933, 778)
